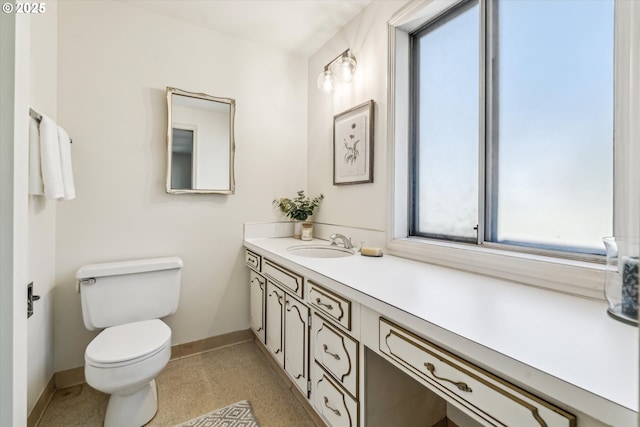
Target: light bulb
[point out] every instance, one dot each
(344, 68)
(325, 82)
(347, 72)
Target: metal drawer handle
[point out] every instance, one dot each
(461, 386)
(329, 306)
(326, 348)
(326, 403)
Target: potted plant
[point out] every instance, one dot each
(299, 209)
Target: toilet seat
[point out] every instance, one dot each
(128, 343)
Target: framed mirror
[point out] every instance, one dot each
(200, 143)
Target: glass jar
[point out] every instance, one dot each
(621, 278)
(307, 231)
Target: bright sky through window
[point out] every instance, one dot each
(549, 109)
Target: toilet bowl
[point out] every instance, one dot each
(123, 361)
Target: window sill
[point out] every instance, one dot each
(573, 277)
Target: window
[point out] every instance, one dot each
(511, 125)
(505, 165)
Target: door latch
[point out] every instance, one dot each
(30, 299)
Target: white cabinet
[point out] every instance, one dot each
(287, 334)
(330, 304)
(337, 353)
(257, 289)
(330, 400)
(296, 342)
(275, 313)
(492, 400)
(336, 371)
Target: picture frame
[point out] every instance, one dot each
(353, 145)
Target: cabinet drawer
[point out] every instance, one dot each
(254, 261)
(283, 277)
(493, 399)
(337, 353)
(334, 404)
(334, 306)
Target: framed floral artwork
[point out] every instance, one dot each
(353, 145)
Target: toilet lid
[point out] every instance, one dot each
(128, 342)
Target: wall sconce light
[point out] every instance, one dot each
(340, 69)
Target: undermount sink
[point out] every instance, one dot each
(320, 251)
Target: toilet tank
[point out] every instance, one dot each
(114, 293)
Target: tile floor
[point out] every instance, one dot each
(195, 385)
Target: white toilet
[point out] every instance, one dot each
(127, 300)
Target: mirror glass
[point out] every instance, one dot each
(200, 143)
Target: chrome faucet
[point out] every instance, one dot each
(346, 242)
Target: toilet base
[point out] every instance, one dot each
(132, 410)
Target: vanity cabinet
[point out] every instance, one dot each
(286, 279)
(337, 407)
(257, 299)
(362, 361)
(278, 318)
(257, 295)
(330, 304)
(296, 342)
(336, 357)
(275, 322)
(491, 399)
(337, 353)
(287, 336)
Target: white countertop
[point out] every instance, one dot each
(575, 351)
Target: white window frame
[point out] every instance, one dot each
(577, 277)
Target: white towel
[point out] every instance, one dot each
(35, 174)
(50, 159)
(65, 164)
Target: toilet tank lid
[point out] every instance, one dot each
(128, 267)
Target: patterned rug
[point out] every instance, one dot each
(237, 415)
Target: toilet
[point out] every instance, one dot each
(126, 300)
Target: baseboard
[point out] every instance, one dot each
(43, 401)
(75, 376)
(302, 399)
(445, 422)
(196, 347)
(69, 377)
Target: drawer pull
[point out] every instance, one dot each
(326, 403)
(319, 302)
(461, 386)
(326, 348)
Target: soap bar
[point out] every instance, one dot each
(366, 251)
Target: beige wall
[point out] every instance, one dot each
(360, 205)
(114, 63)
(43, 76)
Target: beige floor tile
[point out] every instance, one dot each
(193, 386)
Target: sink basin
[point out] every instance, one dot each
(320, 251)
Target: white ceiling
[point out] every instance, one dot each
(297, 26)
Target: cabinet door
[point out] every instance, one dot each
(275, 310)
(296, 342)
(257, 288)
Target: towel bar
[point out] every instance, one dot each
(33, 113)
